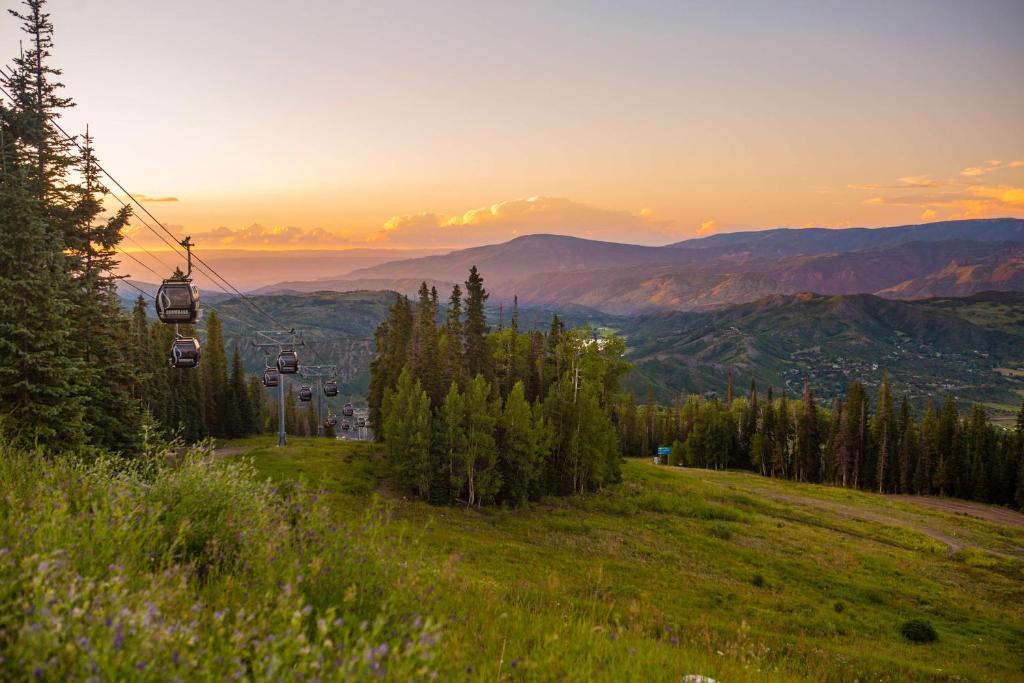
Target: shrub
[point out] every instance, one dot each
(197, 571)
(839, 607)
(720, 531)
(918, 631)
(757, 581)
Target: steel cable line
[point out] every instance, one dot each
(206, 268)
(212, 274)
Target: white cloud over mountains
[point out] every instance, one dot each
(509, 219)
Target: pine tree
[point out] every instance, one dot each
(923, 472)
(426, 361)
(41, 404)
(451, 431)
(455, 341)
(808, 442)
(883, 430)
(214, 371)
(66, 181)
(407, 423)
(476, 328)
(238, 417)
(518, 458)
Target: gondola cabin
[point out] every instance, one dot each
(347, 411)
(271, 377)
(288, 362)
(185, 352)
(361, 422)
(177, 302)
(345, 425)
(305, 394)
(330, 388)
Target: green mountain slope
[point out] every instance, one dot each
(680, 571)
(928, 348)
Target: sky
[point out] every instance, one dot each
(325, 124)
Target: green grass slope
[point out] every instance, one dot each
(680, 571)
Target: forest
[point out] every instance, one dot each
(481, 417)
(884, 448)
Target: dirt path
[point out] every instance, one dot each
(963, 507)
(225, 452)
(952, 543)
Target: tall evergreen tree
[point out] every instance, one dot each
(808, 442)
(214, 371)
(426, 360)
(41, 404)
(519, 451)
(476, 328)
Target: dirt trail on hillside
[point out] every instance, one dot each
(963, 507)
(952, 543)
(225, 452)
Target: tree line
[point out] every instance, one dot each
(75, 370)
(64, 371)
(479, 416)
(882, 447)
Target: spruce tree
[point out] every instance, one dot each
(451, 432)
(518, 459)
(238, 418)
(426, 361)
(883, 432)
(214, 371)
(476, 328)
(41, 401)
(808, 442)
(407, 423)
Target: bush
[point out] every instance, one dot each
(720, 531)
(839, 607)
(918, 631)
(757, 581)
(121, 570)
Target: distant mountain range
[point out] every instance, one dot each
(972, 347)
(954, 258)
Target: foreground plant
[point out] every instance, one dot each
(114, 569)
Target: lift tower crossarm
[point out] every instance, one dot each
(278, 339)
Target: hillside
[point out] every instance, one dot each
(680, 571)
(941, 259)
(928, 348)
(970, 346)
(338, 326)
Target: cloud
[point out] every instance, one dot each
(990, 166)
(904, 183)
(509, 219)
(146, 199)
(259, 236)
(708, 227)
(963, 197)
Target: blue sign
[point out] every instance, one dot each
(664, 450)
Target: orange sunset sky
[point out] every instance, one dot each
(322, 124)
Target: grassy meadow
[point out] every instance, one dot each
(681, 571)
(257, 563)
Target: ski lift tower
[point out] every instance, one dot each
(319, 372)
(280, 340)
